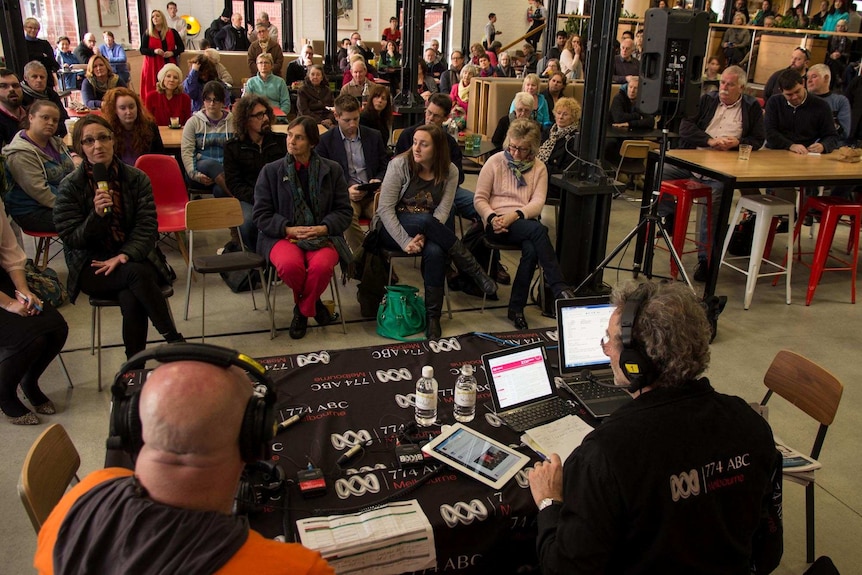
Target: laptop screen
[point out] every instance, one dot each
(518, 375)
(581, 325)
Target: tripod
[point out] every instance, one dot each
(645, 226)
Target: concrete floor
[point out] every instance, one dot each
(747, 341)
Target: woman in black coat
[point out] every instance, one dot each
(110, 236)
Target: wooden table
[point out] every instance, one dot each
(765, 168)
(172, 138)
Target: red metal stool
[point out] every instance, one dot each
(686, 192)
(43, 241)
(831, 210)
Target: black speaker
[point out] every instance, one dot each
(258, 424)
(634, 361)
(672, 61)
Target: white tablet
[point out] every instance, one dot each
(477, 455)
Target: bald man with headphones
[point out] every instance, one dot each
(191, 428)
(680, 480)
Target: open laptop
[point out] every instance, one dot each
(523, 393)
(581, 325)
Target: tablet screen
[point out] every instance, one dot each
(486, 460)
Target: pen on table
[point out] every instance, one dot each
(27, 300)
(490, 337)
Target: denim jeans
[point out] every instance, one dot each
(536, 247)
(439, 239)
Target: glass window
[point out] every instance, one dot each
(62, 21)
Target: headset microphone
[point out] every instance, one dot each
(588, 375)
(100, 174)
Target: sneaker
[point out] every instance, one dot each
(701, 272)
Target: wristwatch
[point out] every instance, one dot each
(547, 502)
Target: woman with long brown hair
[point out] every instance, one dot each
(135, 131)
(415, 200)
(378, 111)
(99, 79)
(160, 45)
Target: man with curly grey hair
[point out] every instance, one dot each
(682, 479)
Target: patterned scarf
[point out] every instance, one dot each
(103, 87)
(556, 135)
(115, 223)
(306, 203)
(518, 167)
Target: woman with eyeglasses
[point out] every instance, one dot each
(135, 131)
(269, 85)
(37, 160)
(100, 78)
(415, 200)
(204, 137)
(510, 195)
(110, 235)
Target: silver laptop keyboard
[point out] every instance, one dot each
(591, 390)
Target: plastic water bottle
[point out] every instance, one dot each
(426, 398)
(465, 395)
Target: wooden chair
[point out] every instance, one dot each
(213, 214)
(170, 195)
(817, 393)
(49, 468)
(633, 156)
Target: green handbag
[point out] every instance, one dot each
(401, 313)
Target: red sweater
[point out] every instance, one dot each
(163, 109)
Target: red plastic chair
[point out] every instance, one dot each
(170, 195)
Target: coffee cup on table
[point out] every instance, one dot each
(175, 122)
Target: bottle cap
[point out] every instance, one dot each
(466, 369)
(427, 371)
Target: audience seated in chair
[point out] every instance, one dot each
(510, 196)
(302, 208)
(135, 131)
(204, 137)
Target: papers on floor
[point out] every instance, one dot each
(797, 466)
(391, 539)
(561, 436)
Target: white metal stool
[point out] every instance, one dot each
(765, 208)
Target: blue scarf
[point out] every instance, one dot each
(518, 167)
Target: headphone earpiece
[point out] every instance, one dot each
(259, 482)
(258, 424)
(636, 365)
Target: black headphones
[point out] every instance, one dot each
(634, 361)
(258, 423)
(260, 482)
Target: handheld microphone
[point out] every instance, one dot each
(100, 174)
(348, 455)
(287, 423)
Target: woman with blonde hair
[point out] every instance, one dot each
(135, 131)
(160, 45)
(510, 196)
(571, 62)
(169, 100)
(540, 110)
(460, 93)
(99, 79)
(567, 118)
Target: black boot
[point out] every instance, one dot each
(433, 309)
(465, 262)
(174, 336)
